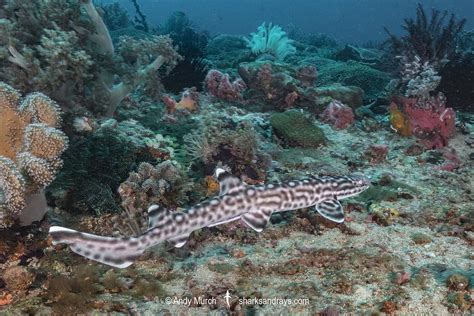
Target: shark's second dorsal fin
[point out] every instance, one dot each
(228, 183)
(157, 215)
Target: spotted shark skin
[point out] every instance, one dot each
(236, 201)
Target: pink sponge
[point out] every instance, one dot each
(220, 86)
(338, 115)
(430, 120)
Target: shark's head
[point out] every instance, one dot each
(348, 186)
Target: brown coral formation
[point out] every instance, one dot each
(164, 184)
(30, 147)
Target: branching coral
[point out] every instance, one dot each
(429, 38)
(30, 147)
(237, 145)
(270, 39)
(420, 78)
(164, 184)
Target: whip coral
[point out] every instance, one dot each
(30, 148)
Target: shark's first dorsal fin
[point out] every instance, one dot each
(332, 210)
(157, 215)
(256, 219)
(228, 183)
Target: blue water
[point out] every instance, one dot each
(349, 21)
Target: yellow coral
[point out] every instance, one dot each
(399, 122)
(30, 145)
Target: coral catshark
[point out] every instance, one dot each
(252, 204)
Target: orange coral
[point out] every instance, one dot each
(6, 299)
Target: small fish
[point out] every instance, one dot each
(236, 201)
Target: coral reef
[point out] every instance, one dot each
(64, 51)
(338, 115)
(96, 164)
(296, 129)
(164, 184)
(270, 40)
(30, 150)
(220, 86)
(420, 78)
(220, 140)
(189, 102)
(431, 121)
(353, 73)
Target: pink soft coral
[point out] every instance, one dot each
(338, 115)
(219, 85)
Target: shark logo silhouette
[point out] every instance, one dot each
(227, 297)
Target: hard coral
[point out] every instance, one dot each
(220, 86)
(30, 145)
(218, 139)
(338, 115)
(430, 120)
(164, 184)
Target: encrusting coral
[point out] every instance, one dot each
(30, 148)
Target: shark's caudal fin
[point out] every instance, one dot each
(116, 252)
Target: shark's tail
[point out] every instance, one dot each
(116, 252)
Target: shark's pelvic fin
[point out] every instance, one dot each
(332, 210)
(256, 219)
(228, 183)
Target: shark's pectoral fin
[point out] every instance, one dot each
(332, 210)
(257, 220)
(228, 183)
(157, 215)
(179, 241)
